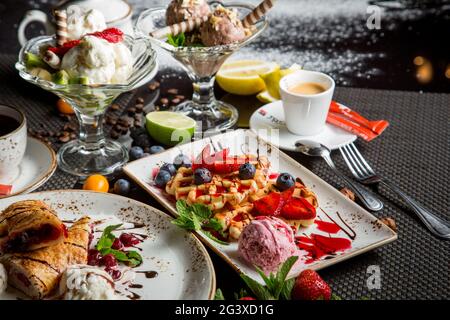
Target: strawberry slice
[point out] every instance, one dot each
(207, 160)
(298, 209)
(228, 165)
(269, 205)
(112, 35)
(62, 50)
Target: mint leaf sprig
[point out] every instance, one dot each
(177, 41)
(198, 217)
(277, 287)
(104, 246)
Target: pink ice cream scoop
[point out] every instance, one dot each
(267, 242)
(181, 10)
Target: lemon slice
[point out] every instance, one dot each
(272, 81)
(170, 128)
(265, 97)
(242, 77)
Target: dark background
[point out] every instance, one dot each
(410, 51)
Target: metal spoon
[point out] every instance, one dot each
(315, 149)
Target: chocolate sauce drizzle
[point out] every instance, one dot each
(351, 233)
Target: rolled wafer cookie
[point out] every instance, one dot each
(175, 29)
(61, 26)
(258, 12)
(52, 59)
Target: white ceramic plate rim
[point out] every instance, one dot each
(201, 247)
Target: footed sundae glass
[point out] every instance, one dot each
(92, 152)
(201, 65)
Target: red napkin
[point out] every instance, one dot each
(349, 120)
(5, 189)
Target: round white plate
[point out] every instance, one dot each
(37, 166)
(271, 117)
(184, 268)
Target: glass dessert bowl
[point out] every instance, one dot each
(201, 64)
(92, 152)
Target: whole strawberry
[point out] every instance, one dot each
(310, 286)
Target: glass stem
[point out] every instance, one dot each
(91, 131)
(203, 95)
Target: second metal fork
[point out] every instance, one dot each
(363, 172)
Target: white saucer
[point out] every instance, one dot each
(271, 117)
(37, 166)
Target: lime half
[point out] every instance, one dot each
(170, 128)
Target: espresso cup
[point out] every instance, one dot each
(12, 145)
(306, 114)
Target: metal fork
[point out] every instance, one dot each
(364, 173)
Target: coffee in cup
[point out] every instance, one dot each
(306, 97)
(13, 142)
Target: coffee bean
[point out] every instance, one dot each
(111, 121)
(153, 85)
(179, 96)
(69, 127)
(64, 138)
(115, 107)
(131, 111)
(138, 123)
(114, 134)
(164, 101)
(172, 91)
(140, 100)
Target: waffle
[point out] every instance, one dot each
(230, 198)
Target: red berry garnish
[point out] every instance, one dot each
(129, 240)
(94, 257)
(112, 35)
(117, 244)
(114, 273)
(109, 260)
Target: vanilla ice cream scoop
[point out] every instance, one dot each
(3, 279)
(81, 21)
(99, 61)
(83, 282)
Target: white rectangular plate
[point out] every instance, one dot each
(370, 233)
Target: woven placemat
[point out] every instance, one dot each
(414, 152)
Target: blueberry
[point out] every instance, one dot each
(142, 140)
(136, 153)
(182, 160)
(169, 168)
(162, 178)
(285, 181)
(122, 187)
(201, 176)
(156, 149)
(247, 171)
